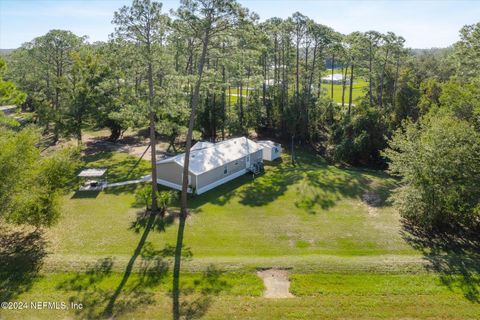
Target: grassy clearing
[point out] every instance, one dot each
(237, 296)
(289, 213)
(346, 259)
(358, 91)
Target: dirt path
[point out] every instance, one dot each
(130, 144)
(372, 200)
(276, 283)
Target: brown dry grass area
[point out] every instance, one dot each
(132, 143)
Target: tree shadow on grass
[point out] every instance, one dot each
(186, 305)
(132, 291)
(88, 290)
(128, 270)
(21, 256)
(455, 256)
(93, 290)
(318, 185)
(324, 188)
(198, 296)
(222, 194)
(85, 195)
(145, 221)
(269, 187)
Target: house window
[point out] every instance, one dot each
(236, 163)
(225, 169)
(276, 150)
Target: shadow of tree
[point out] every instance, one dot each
(88, 290)
(21, 256)
(93, 290)
(245, 186)
(324, 188)
(85, 194)
(318, 185)
(128, 270)
(99, 300)
(220, 195)
(269, 186)
(198, 297)
(145, 220)
(455, 256)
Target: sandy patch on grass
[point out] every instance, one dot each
(372, 200)
(131, 143)
(276, 282)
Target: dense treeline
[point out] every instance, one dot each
(258, 76)
(213, 67)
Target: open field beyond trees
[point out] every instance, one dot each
(359, 90)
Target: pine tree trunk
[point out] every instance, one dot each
(351, 88)
(153, 140)
(224, 113)
(184, 193)
(396, 80)
(370, 92)
(380, 95)
(264, 90)
(241, 103)
(298, 68)
(320, 77)
(312, 72)
(333, 64)
(214, 117)
(344, 82)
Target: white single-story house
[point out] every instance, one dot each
(211, 164)
(271, 150)
(336, 79)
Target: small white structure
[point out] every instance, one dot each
(337, 78)
(211, 164)
(93, 180)
(271, 150)
(269, 82)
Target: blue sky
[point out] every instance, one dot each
(423, 24)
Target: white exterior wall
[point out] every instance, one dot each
(270, 152)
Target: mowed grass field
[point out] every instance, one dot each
(308, 209)
(346, 259)
(238, 296)
(359, 90)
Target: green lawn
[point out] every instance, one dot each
(310, 210)
(358, 91)
(346, 259)
(238, 296)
